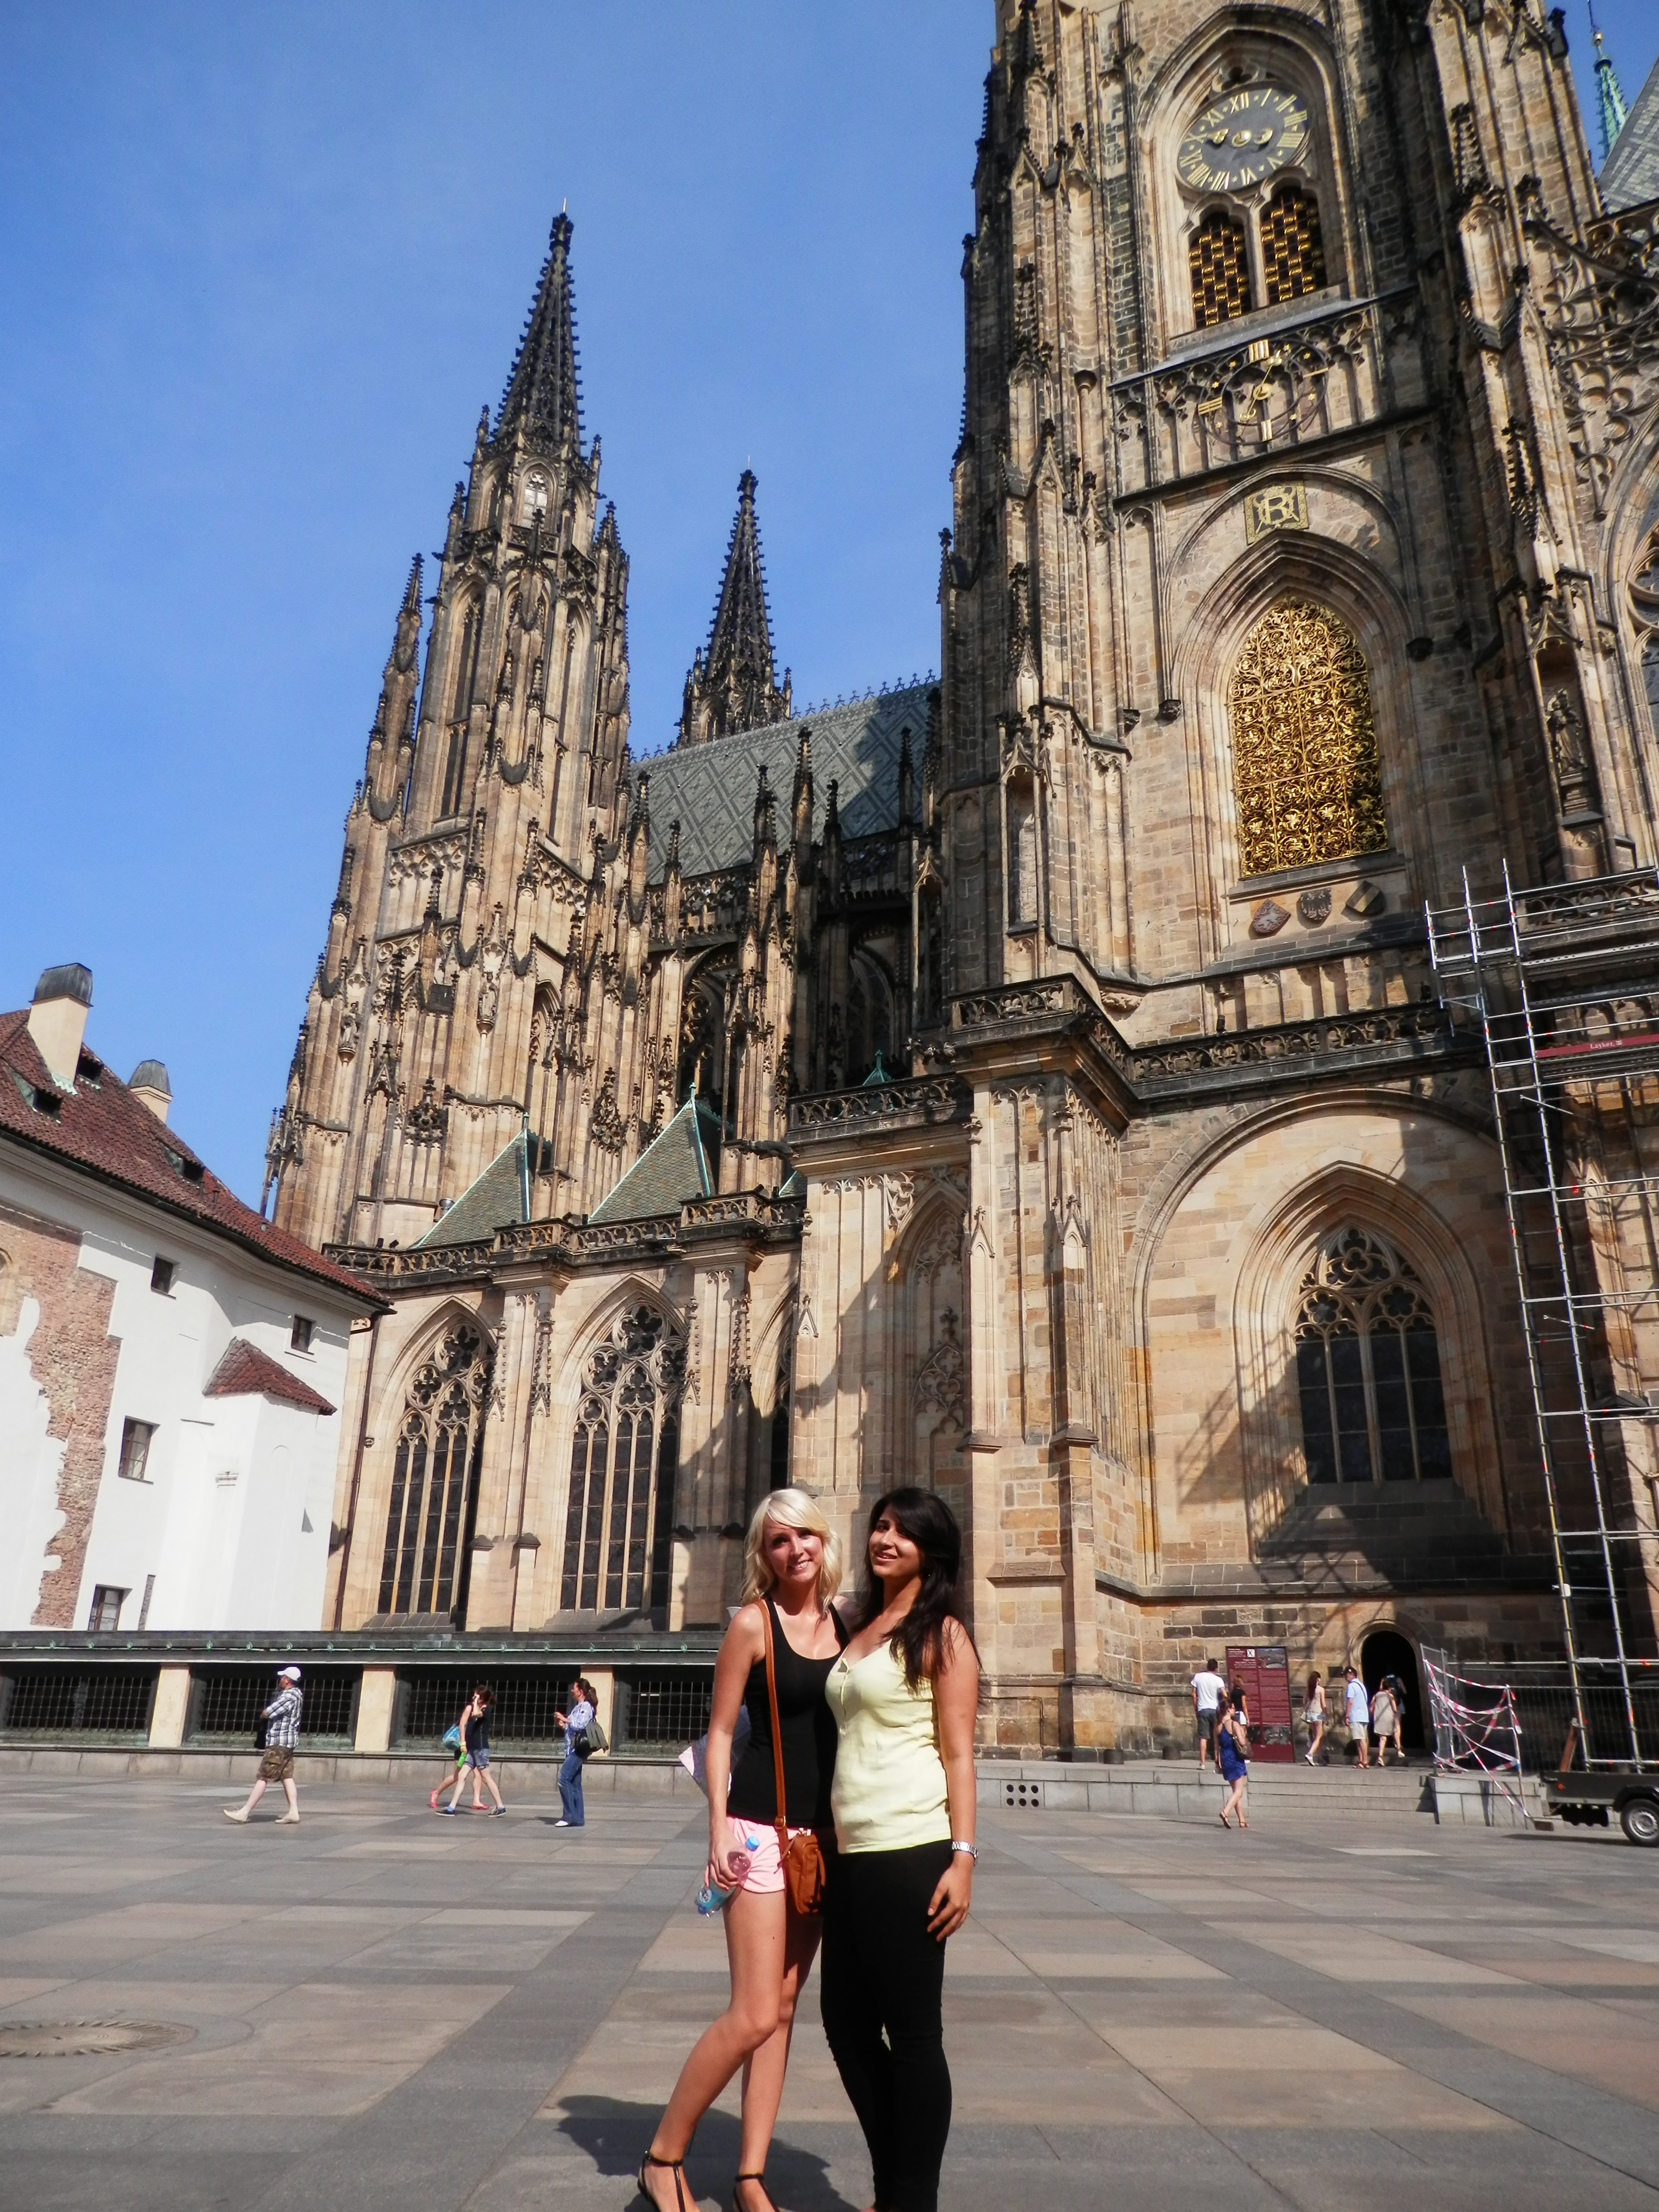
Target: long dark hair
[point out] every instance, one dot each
(928, 1522)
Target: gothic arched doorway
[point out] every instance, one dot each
(1386, 1651)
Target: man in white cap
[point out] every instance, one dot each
(282, 1720)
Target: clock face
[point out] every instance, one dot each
(1245, 136)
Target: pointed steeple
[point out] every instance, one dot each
(733, 686)
(542, 399)
(1611, 107)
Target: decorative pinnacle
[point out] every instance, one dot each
(542, 397)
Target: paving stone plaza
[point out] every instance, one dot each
(375, 2010)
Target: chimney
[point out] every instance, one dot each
(150, 1087)
(58, 1020)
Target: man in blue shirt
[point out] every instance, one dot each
(575, 1724)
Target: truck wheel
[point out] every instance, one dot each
(1639, 1819)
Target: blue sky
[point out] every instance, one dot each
(263, 268)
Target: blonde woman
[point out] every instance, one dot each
(792, 1561)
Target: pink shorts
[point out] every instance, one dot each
(765, 1875)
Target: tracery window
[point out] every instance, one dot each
(1293, 252)
(1220, 270)
(619, 1520)
(1368, 1367)
(434, 1477)
(1306, 773)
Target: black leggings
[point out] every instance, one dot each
(882, 1970)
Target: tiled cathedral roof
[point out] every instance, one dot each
(1630, 174)
(710, 789)
(673, 1167)
(496, 1200)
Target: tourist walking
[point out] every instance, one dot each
(281, 1723)
(455, 1747)
(1313, 1711)
(575, 1723)
(1385, 1720)
(763, 1833)
(1208, 1691)
(1360, 1716)
(904, 1695)
(1232, 1742)
(474, 1752)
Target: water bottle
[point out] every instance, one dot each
(710, 1899)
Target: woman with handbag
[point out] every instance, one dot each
(1232, 1744)
(905, 1694)
(766, 1837)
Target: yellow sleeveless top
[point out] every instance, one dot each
(889, 1792)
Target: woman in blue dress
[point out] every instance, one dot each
(1231, 1741)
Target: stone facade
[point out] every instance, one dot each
(1303, 557)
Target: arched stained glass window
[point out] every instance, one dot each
(1221, 270)
(618, 1521)
(1305, 768)
(1292, 253)
(433, 1479)
(1368, 1367)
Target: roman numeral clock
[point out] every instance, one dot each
(1243, 138)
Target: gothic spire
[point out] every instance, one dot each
(733, 686)
(542, 397)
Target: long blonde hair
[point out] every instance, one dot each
(790, 1509)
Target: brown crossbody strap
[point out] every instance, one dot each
(782, 1821)
(801, 1857)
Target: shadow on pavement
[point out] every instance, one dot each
(616, 2136)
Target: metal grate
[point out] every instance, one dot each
(663, 1711)
(47, 1701)
(226, 1703)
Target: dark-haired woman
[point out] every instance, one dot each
(904, 1695)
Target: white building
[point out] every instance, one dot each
(171, 1365)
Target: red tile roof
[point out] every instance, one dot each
(246, 1372)
(102, 1129)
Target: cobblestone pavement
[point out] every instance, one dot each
(385, 2011)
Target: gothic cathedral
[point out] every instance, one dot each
(1030, 1083)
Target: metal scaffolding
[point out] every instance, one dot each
(1563, 981)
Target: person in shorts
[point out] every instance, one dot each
(282, 1727)
(475, 1736)
(1359, 1710)
(1208, 1691)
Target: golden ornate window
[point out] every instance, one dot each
(1221, 270)
(1305, 768)
(1292, 253)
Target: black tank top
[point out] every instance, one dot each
(809, 1737)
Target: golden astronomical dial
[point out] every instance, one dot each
(1243, 137)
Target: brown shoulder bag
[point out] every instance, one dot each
(802, 1855)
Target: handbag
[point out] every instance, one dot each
(591, 1739)
(802, 1856)
(695, 1758)
(452, 1738)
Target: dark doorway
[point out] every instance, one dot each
(1387, 1652)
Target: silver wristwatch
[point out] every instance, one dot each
(972, 1849)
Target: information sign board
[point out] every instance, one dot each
(1262, 1671)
